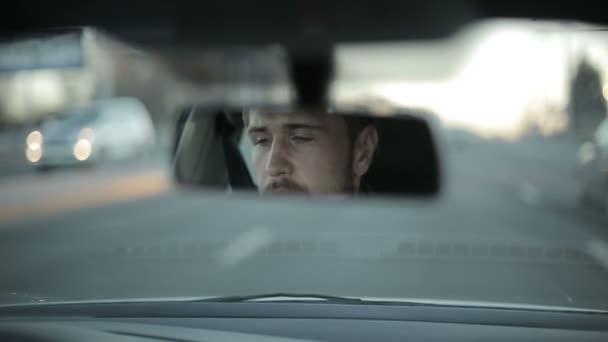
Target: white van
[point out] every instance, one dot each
(105, 130)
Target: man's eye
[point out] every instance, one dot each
(301, 139)
(261, 141)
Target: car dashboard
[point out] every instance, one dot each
(198, 321)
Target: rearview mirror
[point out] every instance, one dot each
(212, 148)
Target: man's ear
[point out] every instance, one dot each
(364, 149)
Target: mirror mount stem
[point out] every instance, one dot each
(311, 68)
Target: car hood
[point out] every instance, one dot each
(61, 130)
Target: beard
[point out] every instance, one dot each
(283, 185)
(345, 184)
(288, 186)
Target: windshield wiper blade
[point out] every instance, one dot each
(279, 297)
(284, 297)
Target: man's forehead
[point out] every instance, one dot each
(261, 119)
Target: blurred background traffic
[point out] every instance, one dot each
(83, 115)
(63, 96)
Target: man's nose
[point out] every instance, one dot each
(278, 161)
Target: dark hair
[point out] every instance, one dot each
(355, 125)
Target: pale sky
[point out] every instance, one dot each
(486, 79)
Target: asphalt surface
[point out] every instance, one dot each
(12, 152)
(32, 193)
(507, 227)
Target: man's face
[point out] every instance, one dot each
(301, 152)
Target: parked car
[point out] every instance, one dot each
(106, 130)
(593, 161)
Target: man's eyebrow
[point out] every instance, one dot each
(257, 129)
(289, 126)
(293, 126)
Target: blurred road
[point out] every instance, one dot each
(12, 152)
(506, 228)
(30, 193)
(534, 180)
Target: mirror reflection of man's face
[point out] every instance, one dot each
(301, 152)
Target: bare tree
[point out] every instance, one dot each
(587, 104)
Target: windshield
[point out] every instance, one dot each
(466, 171)
(72, 118)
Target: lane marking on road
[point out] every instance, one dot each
(129, 187)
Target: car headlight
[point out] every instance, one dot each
(34, 140)
(33, 155)
(82, 149)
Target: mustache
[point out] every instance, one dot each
(283, 184)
